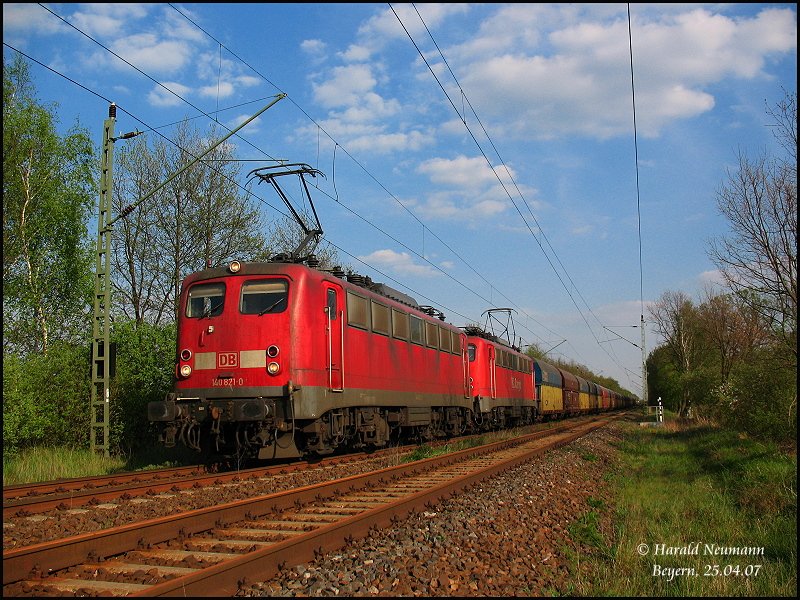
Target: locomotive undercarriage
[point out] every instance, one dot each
(503, 417)
(266, 428)
(370, 427)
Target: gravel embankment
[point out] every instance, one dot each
(510, 536)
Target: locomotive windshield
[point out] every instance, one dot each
(261, 297)
(205, 300)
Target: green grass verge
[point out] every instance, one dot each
(49, 464)
(700, 512)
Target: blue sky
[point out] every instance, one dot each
(500, 171)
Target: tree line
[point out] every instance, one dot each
(731, 356)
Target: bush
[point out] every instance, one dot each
(144, 372)
(761, 399)
(46, 398)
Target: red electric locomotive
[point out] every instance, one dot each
(279, 360)
(502, 382)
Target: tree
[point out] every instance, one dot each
(48, 191)
(759, 260)
(200, 218)
(676, 320)
(732, 328)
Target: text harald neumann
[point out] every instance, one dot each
(696, 549)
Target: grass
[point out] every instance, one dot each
(694, 488)
(427, 451)
(49, 464)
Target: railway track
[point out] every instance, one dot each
(28, 499)
(212, 551)
(68, 494)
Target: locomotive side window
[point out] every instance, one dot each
(261, 297)
(417, 329)
(432, 335)
(456, 342)
(380, 318)
(471, 352)
(357, 311)
(205, 300)
(399, 324)
(444, 339)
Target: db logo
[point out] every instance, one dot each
(227, 359)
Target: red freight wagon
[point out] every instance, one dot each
(571, 393)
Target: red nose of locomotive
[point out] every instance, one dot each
(234, 333)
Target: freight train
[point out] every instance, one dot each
(283, 359)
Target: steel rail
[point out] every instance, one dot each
(18, 564)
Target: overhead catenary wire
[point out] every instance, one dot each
(463, 119)
(638, 213)
(423, 225)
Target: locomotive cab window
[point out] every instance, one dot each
(471, 352)
(262, 297)
(205, 300)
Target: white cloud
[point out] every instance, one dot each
(345, 87)
(555, 75)
(224, 89)
(151, 54)
(384, 27)
(28, 18)
(461, 171)
(106, 20)
(158, 96)
(384, 143)
(400, 263)
(315, 49)
(356, 53)
(712, 278)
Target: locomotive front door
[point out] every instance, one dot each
(334, 337)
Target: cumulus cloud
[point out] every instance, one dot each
(345, 86)
(461, 171)
(159, 96)
(21, 18)
(401, 263)
(555, 73)
(471, 190)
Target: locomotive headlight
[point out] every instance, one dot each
(273, 368)
(186, 370)
(235, 266)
